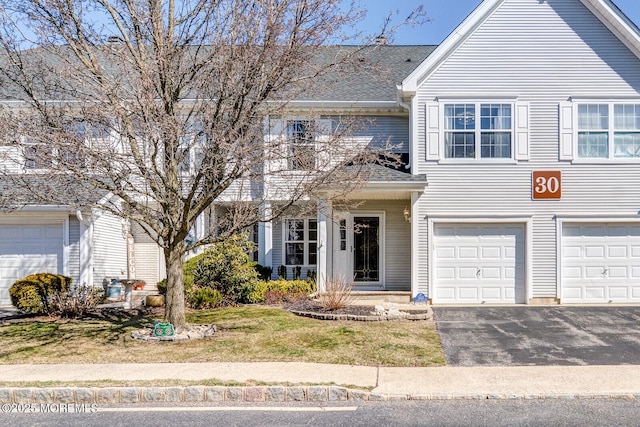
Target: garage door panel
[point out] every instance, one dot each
(492, 252)
(485, 267)
(608, 259)
(446, 273)
(491, 293)
(27, 249)
(446, 252)
(468, 253)
(468, 294)
(467, 273)
(618, 252)
(617, 292)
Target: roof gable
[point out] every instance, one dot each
(604, 10)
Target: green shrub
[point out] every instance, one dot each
(226, 267)
(289, 289)
(204, 298)
(162, 287)
(34, 293)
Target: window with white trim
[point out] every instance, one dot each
(478, 131)
(301, 154)
(608, 130)
(300, 242)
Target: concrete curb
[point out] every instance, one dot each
(252, 394)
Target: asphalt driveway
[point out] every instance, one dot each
(525, 335)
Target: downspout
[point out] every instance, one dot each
(407, 107)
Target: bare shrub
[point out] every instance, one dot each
(337, 295)
(75, 302)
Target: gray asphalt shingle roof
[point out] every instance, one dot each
(383, 68)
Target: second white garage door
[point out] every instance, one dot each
(600, 263)
(28, 249)
(477, 264)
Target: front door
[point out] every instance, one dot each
(357, 254)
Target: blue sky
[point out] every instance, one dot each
(445, 15)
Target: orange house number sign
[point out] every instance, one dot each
(547, 185)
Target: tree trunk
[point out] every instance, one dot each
(174, 306)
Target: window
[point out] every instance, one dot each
(37, 156)
(301, 146)
(466, 137)
(608, 130)
(301, 241)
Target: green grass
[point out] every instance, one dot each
(245, 334)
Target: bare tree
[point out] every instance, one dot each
(165, 105)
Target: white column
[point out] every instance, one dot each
(265, 237)
(86, 251)
(415, 230)
(324, 225)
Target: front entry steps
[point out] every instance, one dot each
(381, 297)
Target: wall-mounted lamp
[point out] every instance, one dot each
(407, 214)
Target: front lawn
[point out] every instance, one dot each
(245, 334)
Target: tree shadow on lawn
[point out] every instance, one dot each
(100, 327)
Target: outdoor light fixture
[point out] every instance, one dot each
(407, 214)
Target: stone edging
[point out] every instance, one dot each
(200, 394)
(363, 318)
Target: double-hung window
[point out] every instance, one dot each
(301, 241)
(478, 131)
(301, 145)
(608, 130)
(37, 156)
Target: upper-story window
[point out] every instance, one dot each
(478, 131)
(608, 130)
(301, 145)
(37, 156)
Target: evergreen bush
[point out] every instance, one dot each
(34, 293)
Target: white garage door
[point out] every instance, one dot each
(600, 263)
(27, 249)
(479, 264)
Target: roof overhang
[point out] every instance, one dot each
(381, 190)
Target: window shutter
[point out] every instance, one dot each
(433, 130)
(274, 128)
(566, 131)
(522, 131)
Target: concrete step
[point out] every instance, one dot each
(398, 297)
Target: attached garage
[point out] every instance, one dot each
(27, 249)
(600, 263)
(479, 263)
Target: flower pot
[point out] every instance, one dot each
(154, 300)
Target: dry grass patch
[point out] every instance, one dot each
(245, 334)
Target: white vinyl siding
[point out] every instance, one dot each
(110, 249)
(148, 257)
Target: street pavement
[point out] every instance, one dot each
(450, 382)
